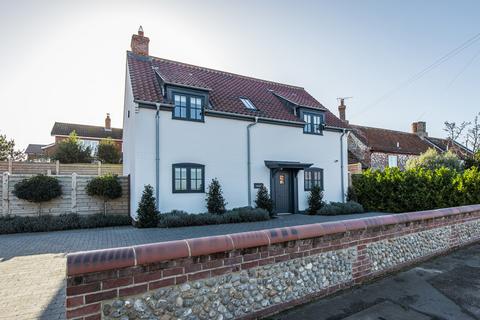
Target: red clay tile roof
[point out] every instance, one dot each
(225, 89)
(64, 129)
(384, 140)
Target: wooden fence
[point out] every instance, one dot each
(57, 168)
(74, 198)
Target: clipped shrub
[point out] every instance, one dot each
(38, 189)
(215, 201)
(107, 187)
(337, 208)
(147, 214)
(16, 224)
(315, 200)
(177, 218)
(263, 200)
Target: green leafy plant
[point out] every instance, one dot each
(431, 160)
(337, 208)
(8, 151)
(108, 152)
(263, 200)
(147, 214)
(107, 187)
(315, 200)
(215, 201)
(38, 189)
(71, 150)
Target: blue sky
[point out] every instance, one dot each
(65, 60)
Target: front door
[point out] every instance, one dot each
(282, 190)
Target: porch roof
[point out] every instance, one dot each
(287, 165)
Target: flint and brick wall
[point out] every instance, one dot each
(253, 274)
(74, 198)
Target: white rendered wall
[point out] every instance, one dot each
(221, 145)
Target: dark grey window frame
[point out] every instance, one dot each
(312, 170)
(188, 95)
(313, 114)
(188, 166)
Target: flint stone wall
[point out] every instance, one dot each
(254, 274)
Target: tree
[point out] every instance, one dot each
(315, 200)
(215, 201)
(38, 189)
(454, 131)
(7, 150)
(107, 187)
(473, 135)
(71, 150)
(263, 200)
(431, 160)
(108, 152)
(147, 214)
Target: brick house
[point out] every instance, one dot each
(379, 148)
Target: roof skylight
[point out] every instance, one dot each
(248, 104)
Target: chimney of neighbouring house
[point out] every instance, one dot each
(139, 44)
(420, 129)
(108, 123)
(341, 110)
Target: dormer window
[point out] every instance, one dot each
(313, 123)
(188, 107)
(248, 104)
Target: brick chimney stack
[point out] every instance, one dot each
(108, 123)
(420, 129)
(139, 44)
(341, 110)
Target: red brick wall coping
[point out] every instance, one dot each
(108, 259)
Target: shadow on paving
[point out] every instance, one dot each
(23, 244)
(447, 287)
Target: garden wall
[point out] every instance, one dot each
(57, 168)
(253, 274)
(73, 200)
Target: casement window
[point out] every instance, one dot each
(313, 177)
(393, 161)
(313, 123)
(188, 178)
(188, 107)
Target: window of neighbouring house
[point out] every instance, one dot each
(92, 144)
(248, 104)
(188, 107)
(313, 177)
(188, 178)
(313, 123)
(393, 161)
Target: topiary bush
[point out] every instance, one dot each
(315, 200)
(38, 189)
(215, 202)
(107, 187)
(15, 224)
(147, 214)
(337, 208)
(264, 201)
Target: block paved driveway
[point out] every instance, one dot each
(32, 265)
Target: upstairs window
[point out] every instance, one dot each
(248, 104)
(313, 177)
(188, 107)
(313, 123)
(188, 178)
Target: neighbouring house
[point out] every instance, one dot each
(35, 153)
(89, 136)
(185, 125)
(379, 148)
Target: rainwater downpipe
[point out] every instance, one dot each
(157, 157)
(344, 131)
(249, 169)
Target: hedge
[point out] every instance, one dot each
(337, 208)
(176, 218)
(17, 224)
(397, 191)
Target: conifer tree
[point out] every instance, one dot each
(315, 200)
(215, 201)
(147, 214)
(263, 200)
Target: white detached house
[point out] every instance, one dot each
(185, 125)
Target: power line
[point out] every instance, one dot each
(463, 69)
(423, 72)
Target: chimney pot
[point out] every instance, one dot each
(342, 110)
(139, 43)
(108, 123)
(420, 129)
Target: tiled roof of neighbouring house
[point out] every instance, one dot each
(447, 144)
(225, 89)
(64, 129)
(390, 141)
(34, 149)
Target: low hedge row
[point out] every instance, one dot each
(16, 224)
(337, 208)
(177, 219)
(395, 191)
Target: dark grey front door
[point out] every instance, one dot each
(282, 181)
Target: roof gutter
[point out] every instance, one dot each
(255, 118)
(249, 163)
